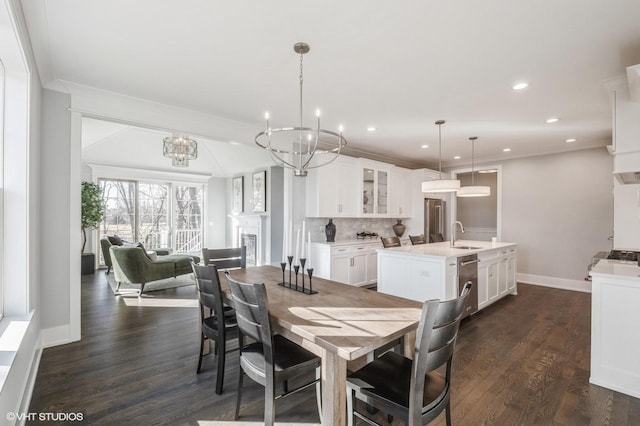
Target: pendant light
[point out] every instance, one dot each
(440, 185)
(474, 191)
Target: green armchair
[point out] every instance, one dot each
(108, 241)
(132, 265)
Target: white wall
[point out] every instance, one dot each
(478, 212)
(215, 235)
(559, 209)
(56, 235)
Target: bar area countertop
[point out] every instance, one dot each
(444, 249)
(615, 347)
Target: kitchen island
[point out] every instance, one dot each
(615, 347)
(430, 271)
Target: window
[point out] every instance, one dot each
(155, 214)
(188, 216)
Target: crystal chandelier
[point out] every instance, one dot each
(295, 147)
(474, 191)
(440, 185)
(180, 149)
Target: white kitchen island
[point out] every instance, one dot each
(615, 329)
(430, 271)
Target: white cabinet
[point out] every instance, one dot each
(401, 193)
(354, 264)
(332, 190)
(372, 267)
(411, 277)
(496, 275)
(375, 192)
(452, 279)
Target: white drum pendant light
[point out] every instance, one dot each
(440, 185)
(474, 191)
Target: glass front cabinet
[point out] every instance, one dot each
(375, 194)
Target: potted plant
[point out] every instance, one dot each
(92, 214)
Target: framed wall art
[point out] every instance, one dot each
(237, 188)
(260, 191)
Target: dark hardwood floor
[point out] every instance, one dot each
(522, 361)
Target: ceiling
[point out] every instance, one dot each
(397, 66)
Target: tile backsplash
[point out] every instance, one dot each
(346, 229)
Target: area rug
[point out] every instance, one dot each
(127, 289)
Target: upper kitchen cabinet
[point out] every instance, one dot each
(332, 190)
(626, 127)
(375, 191)
(401, 193)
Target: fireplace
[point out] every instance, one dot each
(249, 241)
(249, 230)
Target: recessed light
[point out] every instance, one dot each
(520, 86)
(570, 140)
(506, 149)
(488, 171)
(371, 129)
(553, 120)
(424, 146)
(457, 157)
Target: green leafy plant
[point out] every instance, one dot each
(92, 209)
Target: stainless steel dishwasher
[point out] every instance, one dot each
(468, 272)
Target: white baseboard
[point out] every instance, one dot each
(554, 282)
(31, 382)
(56, 336)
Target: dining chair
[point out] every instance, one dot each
(417, 239)
(390, 242)
(218, 322)
(436, 238)
(226, 258)
(418, 392)
(270, 359)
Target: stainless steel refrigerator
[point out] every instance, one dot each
(434, 220)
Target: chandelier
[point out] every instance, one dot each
(474, 191)
(295, 147)
(440, 185)
(180, 149)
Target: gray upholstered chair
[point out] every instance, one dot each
(418, 392)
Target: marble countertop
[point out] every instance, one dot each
(444, 249)
(616, 268)
(352, 241)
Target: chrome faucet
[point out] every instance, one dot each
(453, 231)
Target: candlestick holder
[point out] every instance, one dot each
(290, 259)
(302, 262)
(296, 268)
(310, 290)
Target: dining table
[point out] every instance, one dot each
(342, 324)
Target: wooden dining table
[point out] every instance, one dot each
(341, 324)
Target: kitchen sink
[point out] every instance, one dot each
(466, 248)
